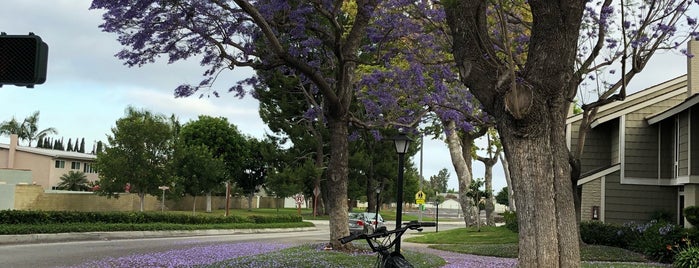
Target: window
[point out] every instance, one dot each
(87, 168)
(74, 165)
(60, 164)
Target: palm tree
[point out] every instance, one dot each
(28, 130)
(11, 127)
(31, 129)
(74, 181)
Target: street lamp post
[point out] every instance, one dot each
(402, 142)
(164, 188)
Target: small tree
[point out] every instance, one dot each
(197, 170)
(502, 197)
(76, 146)
(100, 147)
(140, 148)
(73, 181)
(254, 169)
(439, 181)
(478, 196)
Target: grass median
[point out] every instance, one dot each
(37, 222)
(501, 242)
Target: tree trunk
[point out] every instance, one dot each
(510, 190)
(463, 173)
(319, 164)
(371, 184)
(546, 215)
(141, 199)
(250, 196)
(530, 105)
(489, 204)
(338, 171)
(489, 162)
(194, 205)
(208, 202)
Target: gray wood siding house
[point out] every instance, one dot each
(642, 154)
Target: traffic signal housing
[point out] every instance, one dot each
(23, 60)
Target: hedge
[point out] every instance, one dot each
(55, 217)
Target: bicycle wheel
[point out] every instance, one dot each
(396, 260)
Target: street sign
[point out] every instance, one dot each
(420, 198)
(299, 199)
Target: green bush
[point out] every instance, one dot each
(662, 215)
(599, 233)
(687, 258)
(659, 241)
(61, 217)
(276, 219)
(692, 215)
(511, 221)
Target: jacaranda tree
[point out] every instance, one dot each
(318, 41)
(528, 80)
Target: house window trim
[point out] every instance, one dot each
(602, 199)
(660, 141)
(75, 165)
(676, 148)
(62, 164)
(622, 148)
(689, 142)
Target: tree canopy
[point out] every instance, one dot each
(137, 154)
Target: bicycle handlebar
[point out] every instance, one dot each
(383, 233)
(350, 237)
(428, 224)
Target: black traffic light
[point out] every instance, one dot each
(23, 60)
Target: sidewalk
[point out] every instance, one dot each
(92, 236)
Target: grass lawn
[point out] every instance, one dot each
(311, 256)
(501, 242)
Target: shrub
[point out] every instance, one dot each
(600, 233)
(687, 258)
(662, 216)
(659, 241)
(276, 219)
(692, 215)
(511, 221)
(61, 217)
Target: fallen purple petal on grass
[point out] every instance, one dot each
(203, 255)
(456, 260)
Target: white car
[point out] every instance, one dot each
(364, 222)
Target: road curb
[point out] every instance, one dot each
(93, 236)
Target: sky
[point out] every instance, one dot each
(87, 89)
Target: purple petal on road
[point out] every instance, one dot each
(188, 257)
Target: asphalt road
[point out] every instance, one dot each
(71, 253)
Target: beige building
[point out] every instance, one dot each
(46, 165)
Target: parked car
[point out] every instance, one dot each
(364, 222)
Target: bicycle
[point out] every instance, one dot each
(385, 258)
